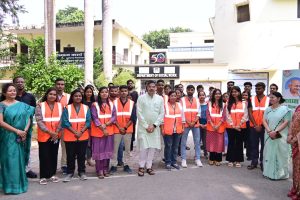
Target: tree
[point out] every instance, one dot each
(120, 78)
(98, 63)
(69, 14)
(160, 39)
(11, 8)
(39, 76)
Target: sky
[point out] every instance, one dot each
(139, 16)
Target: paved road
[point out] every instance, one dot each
(209, 182)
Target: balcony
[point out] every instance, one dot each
(191, 49)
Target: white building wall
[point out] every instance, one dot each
(270, 40)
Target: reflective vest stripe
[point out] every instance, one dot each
(105, 116)
(123, 113)
(254, 107)
(239, 110)
(213, 114)
(50, 119)
(85, 109)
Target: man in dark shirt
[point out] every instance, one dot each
(29, 99)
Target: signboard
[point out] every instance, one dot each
(291, 88)
(74, 57)
(158, 57)
(159, 72)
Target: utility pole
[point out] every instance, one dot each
(107, 38)
(50, 28)
(88, 41)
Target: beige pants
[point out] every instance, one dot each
(63, 161)
(117, 141)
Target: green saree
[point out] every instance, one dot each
(13, 152)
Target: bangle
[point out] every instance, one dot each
(125, 128)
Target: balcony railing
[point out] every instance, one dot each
(191, 49)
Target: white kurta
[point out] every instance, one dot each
(150, 110)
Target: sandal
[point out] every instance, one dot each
(100, 176)
(141, 171)
(54, 179)
(238, 165)
(210, 162)
(43, 181)
(230, 164)
(150, 171)
(218, 164)
(106, 174)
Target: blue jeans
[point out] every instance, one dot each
(196, 138)
(171, 148)
(120, 152)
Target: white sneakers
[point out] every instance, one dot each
(198, 163)
(183, 164)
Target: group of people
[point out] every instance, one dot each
(98, 127)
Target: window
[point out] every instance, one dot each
(24, 49)
(208, 41)
(125, 54)
(57, 45)
(298, 8)
(243, 13)
(69, 49)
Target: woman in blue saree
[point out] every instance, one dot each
(15, 124)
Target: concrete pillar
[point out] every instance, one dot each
(107, 38)
(50, 28)
(88, 41)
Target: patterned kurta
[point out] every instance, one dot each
(295, 131)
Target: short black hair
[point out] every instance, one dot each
(17, 77)
(190, 87)
(199, 86)
(211, 88)
(160, 81)
(123, 87)
(230, 82)
(150, 82)
(167, 86)
(248, 83)
(128, 81)
(59, 79)
(273, 84)
(113, 87)
(260, 84)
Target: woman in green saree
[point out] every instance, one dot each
(276, 151)
(15, 124)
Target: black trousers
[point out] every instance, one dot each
(76, 150)
(213, 156)
(48, 152)
(132, 137)
(235, 145)
(203, 139)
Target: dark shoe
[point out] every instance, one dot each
(150, 171)
(31, 174)
(187, 148)
(113, 169)
(168, 167)
(176, 166)
(127, 169)
(64, 169)
(251, 167)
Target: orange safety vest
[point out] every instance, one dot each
(64, 99)
(215, 116)
(103, 118)
(258, 109)
(123, 114)
(190, 110)
(77, 120)
(172, 119)
(51, 120)
(237, 112)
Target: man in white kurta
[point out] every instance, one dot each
(150, 113)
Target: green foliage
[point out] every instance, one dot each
(39, 76)
(5, 40)
(98, 63)
(160, 39)
(69, 14)
(122, 76)
(11, 8)
(101, 80)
